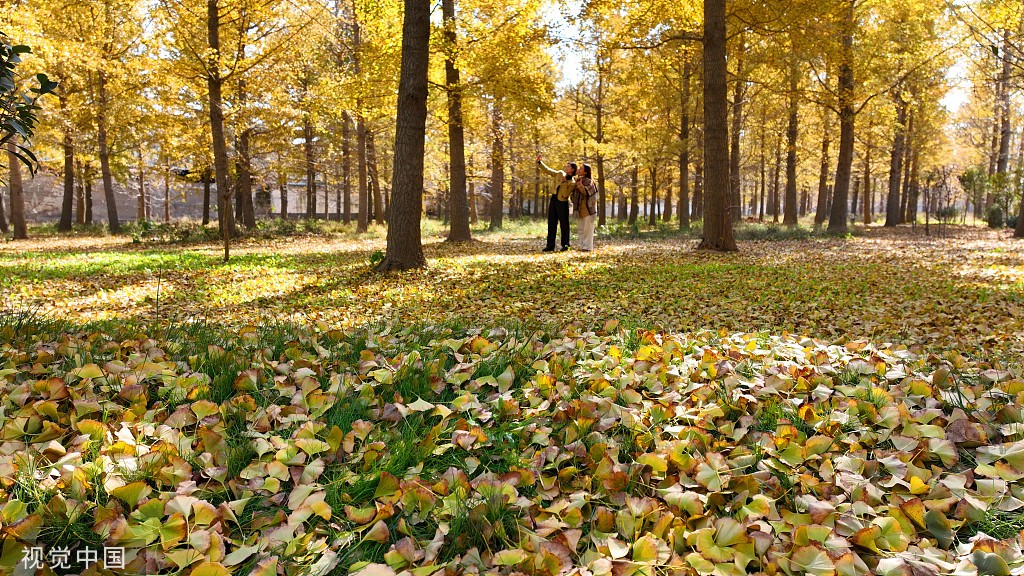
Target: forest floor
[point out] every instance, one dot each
(811, 406)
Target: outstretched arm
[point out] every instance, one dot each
(551, 171)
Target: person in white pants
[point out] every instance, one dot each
(585, 201)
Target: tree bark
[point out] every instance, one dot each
(346, 167)
(497, 169)
(683, 208)
(308, 134)
(88, 194)
(762, 173)
(459, 202)
(599, 155)
(207, 177)
(718, 232)
(79, 193)
(739, 91)
(214, 84)
(104, 154)
(4, 228)
(371, 165)
(282, 189)
(17, 192)
(243, 165)
(142, 207)
(634, 194)
(821, 208)
(167, 191)
(363, 221)
(653, 174)
(1003, 161)
(68, 144)
(837, 222)
(892, 211)
(404, 248)
(776, 180)
(789, 217)
(868, 188)
(697, 205)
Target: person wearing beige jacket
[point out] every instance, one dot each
(558, 206)
(584, 199)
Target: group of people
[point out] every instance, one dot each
(576, 186)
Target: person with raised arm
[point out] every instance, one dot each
(558, 206)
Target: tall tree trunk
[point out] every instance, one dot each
(634, 194)
(243, 164)
(907, 166)
(837, 222)
(763, 180)
(4, 228)
(104, 153)
(404, 248)
(683, 207)
(718, 232)
(308, 134)
(372, 164)
(459, 202)
(17, 192)
(497, 168)
(776, 180)
(79, 193)
(207, 177)
(346, 167)
(88, 194)
(792, 132)
(868, 188)
(214, 84)
(697, 206)
(892, 212)
(653, 174)
(599, 153)
(363, 221)
(142, 206)
(474, 215)
(821, 207)
(1003, 161)
(167, 190)
(915, 186)
(855, 197)
(68, 144)
(282, 189)
(739, 92)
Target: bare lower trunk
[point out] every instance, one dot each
(221, 163)
(68, 144)
(718, 230)
(4, 228)
(309, 134)
(404, 248)
(17, 192)
(792, 132)
(104, 154)
(371, 164)
(821, 208)
(892, 212)
(79, 193)
(207, 176)
(497, 169)
(683, 207)
(363, 221)
(346, 168)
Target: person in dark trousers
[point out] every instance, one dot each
(558, 206)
